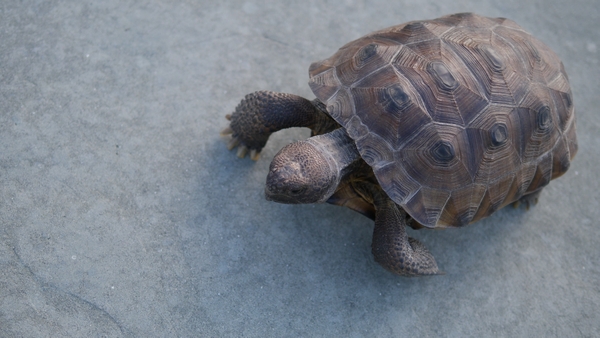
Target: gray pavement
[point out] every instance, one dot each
(122, 213)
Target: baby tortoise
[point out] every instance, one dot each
(434, 124)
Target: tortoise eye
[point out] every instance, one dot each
(544, 118)
(498, 134)
(443, 152)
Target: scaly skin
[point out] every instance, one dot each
(391, 246)
(262, 113)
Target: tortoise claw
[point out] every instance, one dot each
(228, 117)
(242, 151)
(254, 154)
(234, 142)
(517, 204)
(528, 201)
(226, 131)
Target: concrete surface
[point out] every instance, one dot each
(122, 213)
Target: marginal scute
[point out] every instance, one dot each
(524, 178)
(458, 116)
(462, 205)
(485, 208)
(543, 173)
(560, 83)
(561, 160)
(320, 67)
(564, 107)
(427, 205)
(341, 106)
(325, 83)
(571, 138)
(568, 100)
(356, 129)
(498, 190)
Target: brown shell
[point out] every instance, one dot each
(458, 116)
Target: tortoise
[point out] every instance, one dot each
(435, 124)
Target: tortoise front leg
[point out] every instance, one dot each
(262, 113)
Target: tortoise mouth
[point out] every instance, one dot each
(279, 198)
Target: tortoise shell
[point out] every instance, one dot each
(458, 116)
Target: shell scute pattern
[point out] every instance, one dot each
(458, 116)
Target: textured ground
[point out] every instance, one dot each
(122, 213)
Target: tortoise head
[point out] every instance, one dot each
(301, 173)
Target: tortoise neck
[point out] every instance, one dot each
(339, 150)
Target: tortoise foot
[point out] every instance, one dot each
(262, 113)
(528, 200)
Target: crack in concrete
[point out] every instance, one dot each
(44, 286)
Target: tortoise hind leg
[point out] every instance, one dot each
(391, 247)
(394, 250)
(262, 113)
(528, 200)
